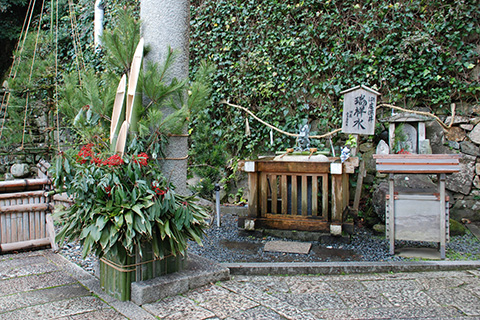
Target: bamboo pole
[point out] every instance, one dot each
(24, 244)
(26, 207)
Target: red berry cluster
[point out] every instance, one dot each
(85, 152)
(159, 191)
(108, 190)
(402, 151)
(141, 159)
(114, 160)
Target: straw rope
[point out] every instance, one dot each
(130, 267)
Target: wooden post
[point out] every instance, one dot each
(443, 221)
(337, 197)
(358, 189)
(253, 194)
(391, 212)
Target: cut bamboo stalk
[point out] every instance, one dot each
(26, 207)
(24, 244)
(133, 79)
(25, 184)
(117, 107)
(122, 139)
(21, 194)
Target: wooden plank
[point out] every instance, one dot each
(418, 161)
(325, 196)
(416, 169)
(358, 188)
(441, 186)
(391, 212)
(274, 187)
(293, 167)
(417, 156)
(345, 191)
(337, 198)
(299, 223)
(263, 193)
(51, 232)
(284, 182)
(253, 201)
(315, 195)
(304, 195)
(391, 135)
(294, 193)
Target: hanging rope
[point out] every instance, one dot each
(277, 129)
(76, 41)
(56, 78)
(18, 57)
(30, 75)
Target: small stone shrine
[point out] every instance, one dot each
(413, 132)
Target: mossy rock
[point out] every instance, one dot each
(456, 228)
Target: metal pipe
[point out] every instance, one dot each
(217, 202)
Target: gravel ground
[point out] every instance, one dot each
(228, 244)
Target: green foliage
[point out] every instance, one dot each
(122, 203)
(289, 60)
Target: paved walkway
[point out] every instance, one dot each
(44, 285)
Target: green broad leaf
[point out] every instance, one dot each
(168, 231)
(66, 166)
(196, 237)
(119, 221)
(138, 208)
(139, 225)
(161, 228)
(101, 222)
(106, 235)
(128, 217)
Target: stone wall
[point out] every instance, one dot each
(463, 188)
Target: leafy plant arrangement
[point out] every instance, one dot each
(122, 202)
(121, 198)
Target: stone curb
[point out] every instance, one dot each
(297, 268)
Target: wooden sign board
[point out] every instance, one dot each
(359, 104)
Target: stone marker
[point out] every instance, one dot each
(383, 148)
(287, 247)
(20, 170)
(410, 133)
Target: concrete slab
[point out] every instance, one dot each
(199, 272)
(423, 253)
(354, 267)
(288, 247)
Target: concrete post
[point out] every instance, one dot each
(166, 23)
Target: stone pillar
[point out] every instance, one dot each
(166, 23)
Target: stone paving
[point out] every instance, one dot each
(44, 285)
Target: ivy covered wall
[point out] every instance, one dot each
(288, 60)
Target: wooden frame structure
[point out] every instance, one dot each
(25, 215)
(414, 216)
(295, 195)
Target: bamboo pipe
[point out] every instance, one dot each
(26, 207)
(24, 244)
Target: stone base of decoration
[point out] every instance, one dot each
(198, 272)
(116, 276)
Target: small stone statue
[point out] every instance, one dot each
(345, 154)
(303, 142)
